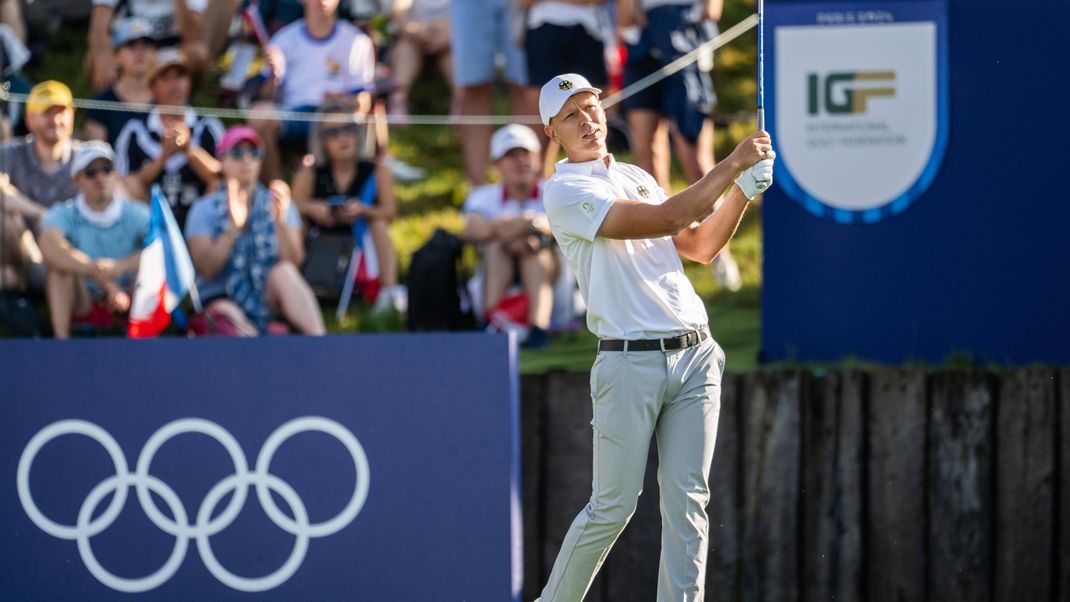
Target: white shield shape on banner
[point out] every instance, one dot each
(861, 115)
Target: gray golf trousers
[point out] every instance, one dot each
(676, 396)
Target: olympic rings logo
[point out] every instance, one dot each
(204, 527)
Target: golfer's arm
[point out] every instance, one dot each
(628, 219)
(703, 242)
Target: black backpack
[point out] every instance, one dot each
(435, 290)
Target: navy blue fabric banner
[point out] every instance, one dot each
(903, 225)
(338, 468)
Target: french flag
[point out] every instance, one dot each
(164, 276)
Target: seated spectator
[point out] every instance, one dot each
(135, 55)
(423, 28)
(311, 61)
(173, 21)
(245, 242)
(509, 222)
(92, 244)
(36, 175)
(328, 190)
(172, 150)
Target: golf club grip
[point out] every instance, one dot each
(761, 119)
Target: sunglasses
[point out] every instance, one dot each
(351, 128)
(240, 153)
(91, 172)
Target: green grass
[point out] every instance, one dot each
(436, 201)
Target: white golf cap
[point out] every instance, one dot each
(558, 90)
(513, 136)
(89, 152)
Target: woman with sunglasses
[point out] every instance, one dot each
(335, 189)
(245, 242)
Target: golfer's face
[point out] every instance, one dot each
(580, 127)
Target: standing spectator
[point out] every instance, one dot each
(173, 150)
(311, 61)
(174, 21)
(659, 32)
(92, 244)
(34, 175)
(135, 55)
(13, 57)
(482, 31)
(508, 220)
(564, 37)
(245, 242)
(327, 189)
(423, 28)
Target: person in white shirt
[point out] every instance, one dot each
(311, 61)
(508, 221)
(658, 370)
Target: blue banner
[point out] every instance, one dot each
(356, 468)
(903, 225)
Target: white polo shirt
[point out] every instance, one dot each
(635, 289)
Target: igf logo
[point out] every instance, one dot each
(847, 92)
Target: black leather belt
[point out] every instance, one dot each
(672, 343)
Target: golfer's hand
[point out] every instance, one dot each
(751, 150)
(757, 177)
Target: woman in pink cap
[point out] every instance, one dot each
(246, 244)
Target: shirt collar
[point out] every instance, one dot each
(155, 124)
(587, 168)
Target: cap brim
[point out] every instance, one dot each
(574, 92)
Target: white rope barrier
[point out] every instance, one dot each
(272, 114)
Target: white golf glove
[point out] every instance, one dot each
(757, 177)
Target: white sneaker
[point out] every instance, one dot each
(399, 299)
(383, 302)
(726, 271)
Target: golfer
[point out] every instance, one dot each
(658, 370)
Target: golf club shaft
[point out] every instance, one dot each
(761, 64)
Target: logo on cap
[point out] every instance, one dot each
(643, 192)
(565, 85)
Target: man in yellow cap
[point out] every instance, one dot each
(34, 175)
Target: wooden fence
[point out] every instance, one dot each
(886, 485)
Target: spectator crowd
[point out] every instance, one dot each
(283, 215)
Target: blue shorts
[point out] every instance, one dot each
(480, 32)
(555, 49)
(296, 132)
(686, 97)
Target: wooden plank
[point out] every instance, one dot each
(960, 488)
(833, 436)
(568, 454)
(1063, 517)
(770, 501)
(532, 407)
(895, 532)
(1025, 488)
(722, 565)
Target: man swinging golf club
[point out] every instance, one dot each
(658, 370)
